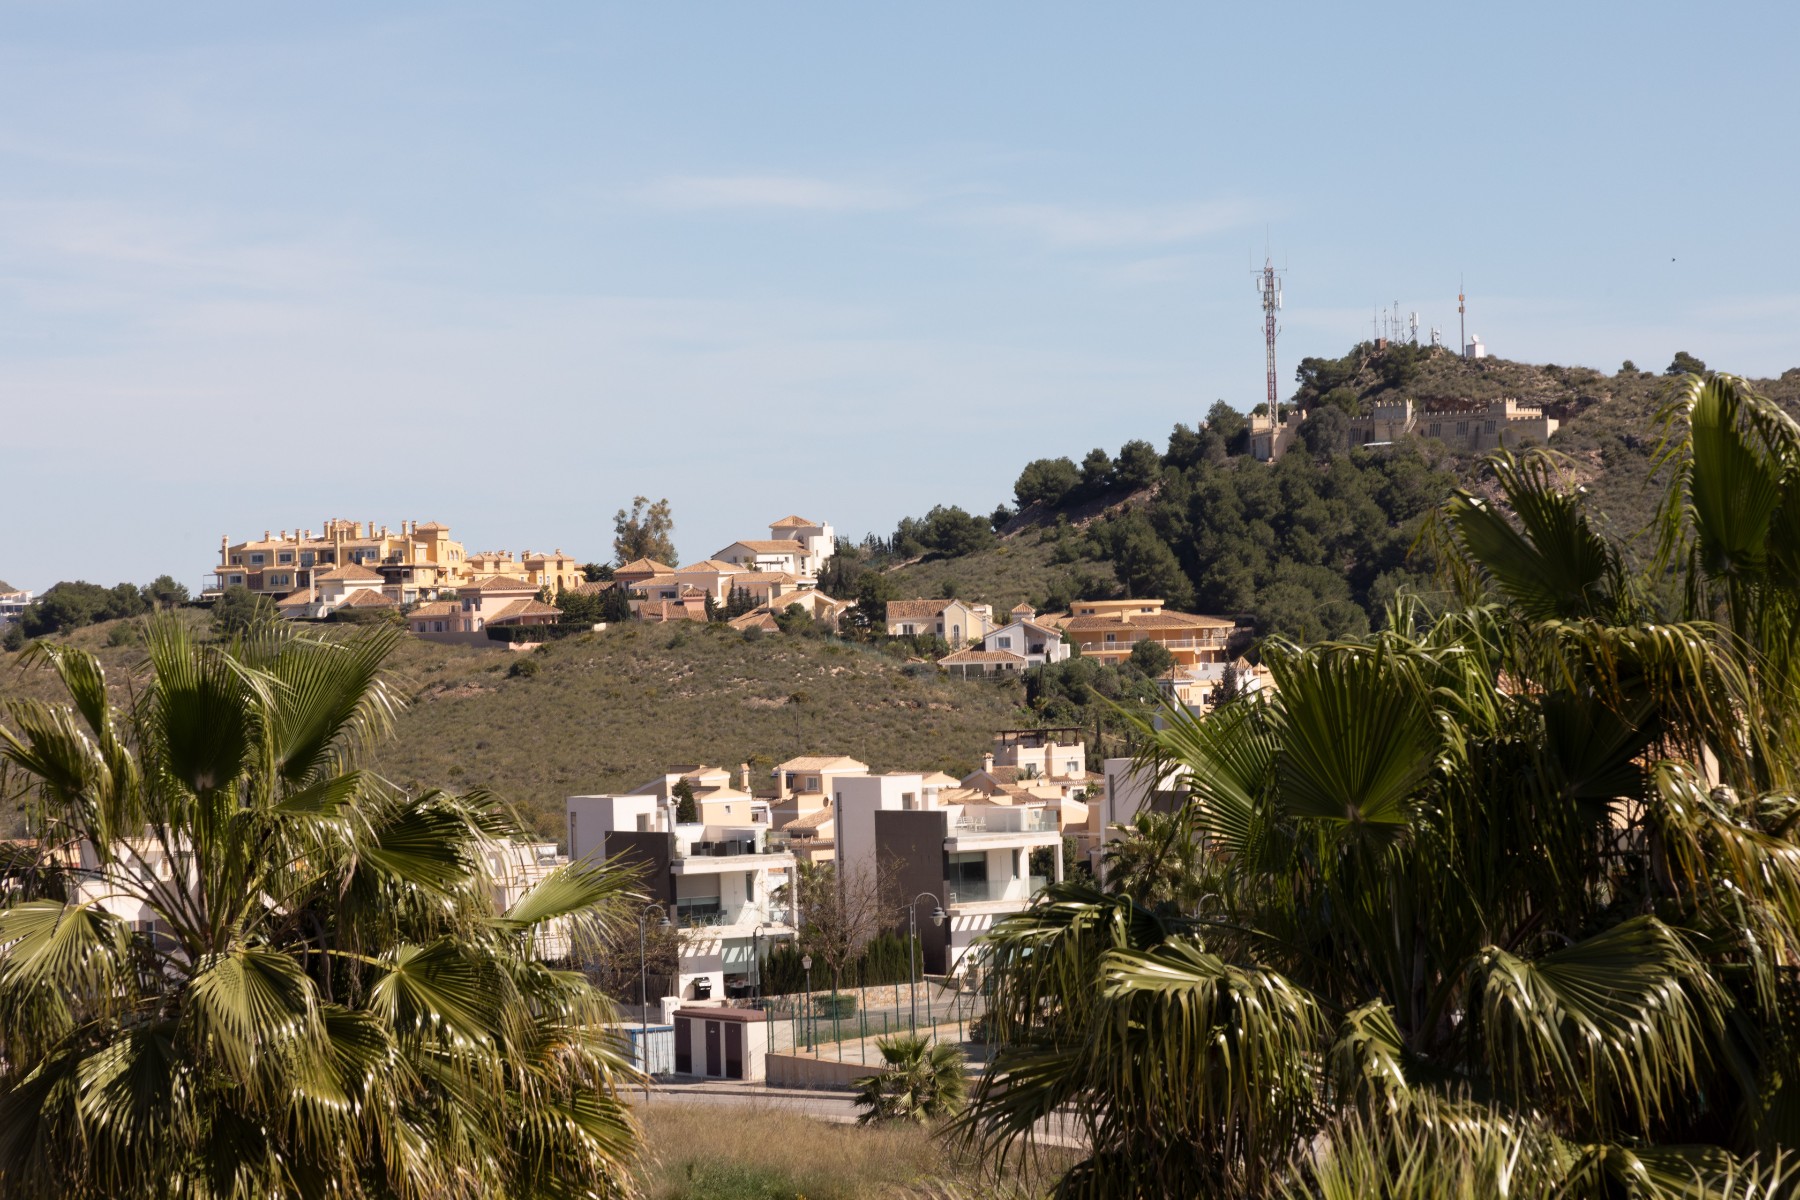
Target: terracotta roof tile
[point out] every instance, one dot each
(525, 608)
(915, 610)
(350, 573)
(498, 583)
(364, 598)
(981, 656)
(794, 522)
(639, 566)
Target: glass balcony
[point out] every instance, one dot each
(993, 890)
(1006, 820)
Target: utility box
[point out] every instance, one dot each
(651, 1048)
(721, 1043)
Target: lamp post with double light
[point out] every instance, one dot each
(644, 986)
(938, 916)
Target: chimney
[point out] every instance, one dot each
(744, 777)
(987, 762)
(265, 535)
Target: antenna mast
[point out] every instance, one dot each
(1268, 285)
(1462, 326)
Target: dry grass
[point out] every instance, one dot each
(719, 1153)
(608, 711)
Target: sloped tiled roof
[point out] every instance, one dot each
(962, 657)
(915, 610)
(783, 546)
(525, 608)
(640, 566)
(794, 522)
(821, 762)
(764, 577)
(712, 564)
(498, 583)
(437, 608)
(1166, 617)
(815, 820)
(297, 600)
(592, 587)
(759, 618)
(364, 598)
(350, 573)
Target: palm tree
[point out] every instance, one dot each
(1512, 885)
(921, 1082)
(310, 990)
(1156, 861)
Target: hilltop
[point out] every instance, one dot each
(1314, 545)
(608, 711)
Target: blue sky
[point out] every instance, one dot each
(507, 266)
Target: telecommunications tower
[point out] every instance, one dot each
(1462, 325)
(1268, 285)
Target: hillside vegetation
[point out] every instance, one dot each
(608, 711)
(1315, 545)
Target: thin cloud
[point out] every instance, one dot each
(1085, 227)
(790, 192)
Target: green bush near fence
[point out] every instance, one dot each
(840, 1007)
(883, 961)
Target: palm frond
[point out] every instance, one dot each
(1611, 1030)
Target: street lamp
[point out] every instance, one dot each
(806, 965)
(912, 962)
(644, 988)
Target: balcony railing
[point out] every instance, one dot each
(994, 890)
(1125, 644)
(707, 913)
(726, 848)
(1006, 820)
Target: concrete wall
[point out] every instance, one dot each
(805, 1071)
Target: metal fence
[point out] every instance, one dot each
(845, 1026)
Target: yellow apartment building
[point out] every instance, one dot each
(415, 561)
(1108, 629)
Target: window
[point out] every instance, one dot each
(908, 800)
(256, 560)
(1112, 637)
(966, 868)
(237, 580)
(1004, 643)
(237, 560)
(285, 557)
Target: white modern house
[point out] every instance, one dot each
(719, 878)
(795, 546)
(973, 858)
